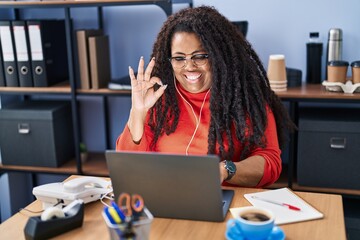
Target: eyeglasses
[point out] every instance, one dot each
(180, 62)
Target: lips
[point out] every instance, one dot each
(192, 77)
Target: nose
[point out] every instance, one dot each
(189, 64)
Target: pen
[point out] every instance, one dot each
(106, 211)
(119, 211)
(114, 215)
(112, 220)
(292, 207)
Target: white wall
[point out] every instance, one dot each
(283, 26)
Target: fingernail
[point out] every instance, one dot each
(165, 86)
(142, 57)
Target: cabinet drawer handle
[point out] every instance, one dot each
(24, 128)
(337, 143)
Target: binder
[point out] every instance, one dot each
(83, 55)
(99, 61)
(22, 53)
(8, 54)
(2, 76)
(48, 49)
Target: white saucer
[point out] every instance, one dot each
(348, 87)
(276, 234)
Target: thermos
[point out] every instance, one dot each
(314, 50)
(334, 46)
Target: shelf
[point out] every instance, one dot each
(103, 91)
(283, 182)
(61, 88)
(76, 3)
(308, 91)
(165, 5)
(95, 165)
(342, 191)
(316, 92)
(67, 168)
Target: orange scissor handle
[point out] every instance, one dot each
(137, 203)
(128, 203)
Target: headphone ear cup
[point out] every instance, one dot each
(52, 212)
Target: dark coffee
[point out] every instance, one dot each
(255, 217)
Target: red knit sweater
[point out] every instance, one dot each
(178, 141)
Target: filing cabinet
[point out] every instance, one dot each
(329, 148)
(36, 133)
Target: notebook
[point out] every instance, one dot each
(270, 199)
(173, 186)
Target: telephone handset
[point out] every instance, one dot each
(83, 183)
(86, 188)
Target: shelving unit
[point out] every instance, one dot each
(96, 164)
(310, 93)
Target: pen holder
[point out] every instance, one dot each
(141, 226)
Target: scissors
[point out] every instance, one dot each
(129, 204)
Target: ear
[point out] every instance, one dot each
(52, 212)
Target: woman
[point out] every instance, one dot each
(205, 91)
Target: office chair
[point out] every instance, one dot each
(243, 26)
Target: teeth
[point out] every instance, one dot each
(193, 77)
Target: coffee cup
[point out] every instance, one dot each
(337, 71)
(355, 70)
(277, 68)
(251, 223)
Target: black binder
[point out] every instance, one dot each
(8, 54)
(2, 76)
(48, 52)
(22, 53)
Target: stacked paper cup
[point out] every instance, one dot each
(277, 72)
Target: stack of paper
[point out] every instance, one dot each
(272, 201)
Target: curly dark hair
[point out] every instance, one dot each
(240, 91)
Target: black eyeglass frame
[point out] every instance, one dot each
(205, 55)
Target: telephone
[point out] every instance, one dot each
(87, 188)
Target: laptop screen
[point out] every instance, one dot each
(172, 185)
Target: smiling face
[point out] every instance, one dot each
(192, 78)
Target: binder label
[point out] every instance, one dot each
(6, 44)
(20, 43)
(35, 43)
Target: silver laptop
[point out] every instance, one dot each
(173, 186)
